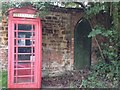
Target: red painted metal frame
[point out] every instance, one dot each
(38, 48)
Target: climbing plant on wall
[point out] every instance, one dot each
(43, 6)
(111, 33)
(110, 49)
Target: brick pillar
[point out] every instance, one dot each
(3, 42)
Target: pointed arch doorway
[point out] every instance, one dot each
(82, 45)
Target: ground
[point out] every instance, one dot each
(77, 79)
(70, 79)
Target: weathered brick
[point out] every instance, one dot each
(57, 40)
(54, 18)
(48, 17)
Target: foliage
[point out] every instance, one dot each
(3, 79)
(94, 9)
(116, 16)
(112, 35)
(101, 31)
(43, 6)
(92, 82)
(110, 45)
(102, 75)
(97, 30)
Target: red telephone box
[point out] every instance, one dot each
(24, 48)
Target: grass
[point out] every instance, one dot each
(0, 79)
(3, 79)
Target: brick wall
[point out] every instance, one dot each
(58, 40)
(3, 42)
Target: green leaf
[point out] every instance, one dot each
(94, 33)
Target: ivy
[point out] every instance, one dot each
(109, 73)
(95, 31)
(42, 7)
(102, 76)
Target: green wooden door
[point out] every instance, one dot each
(82, 45)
